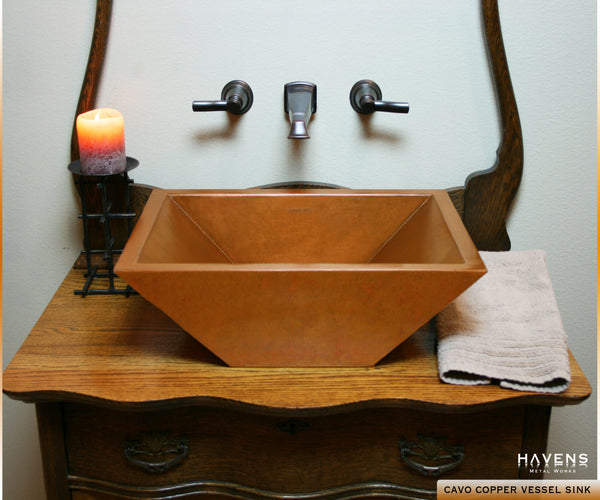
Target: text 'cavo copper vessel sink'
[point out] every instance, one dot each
(300, 278)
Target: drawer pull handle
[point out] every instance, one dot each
(430, 456)
(155, 453)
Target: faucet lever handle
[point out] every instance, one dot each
(365, 98)
(391, 107)
(236, 98)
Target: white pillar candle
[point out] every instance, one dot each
(101, 137)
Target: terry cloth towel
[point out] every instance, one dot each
(506, 328)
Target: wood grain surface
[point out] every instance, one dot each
(125, 353)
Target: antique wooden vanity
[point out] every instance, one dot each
(131, 406)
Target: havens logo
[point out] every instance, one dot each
(558, 463)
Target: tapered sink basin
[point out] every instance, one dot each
(300, 278)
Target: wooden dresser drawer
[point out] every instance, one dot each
(195, 449)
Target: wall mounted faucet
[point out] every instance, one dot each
(236, 98)
(365, 98)
(300, 101)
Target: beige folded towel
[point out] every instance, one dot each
(506, 328)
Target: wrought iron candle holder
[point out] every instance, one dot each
(101, 184)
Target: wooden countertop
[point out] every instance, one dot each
(123, 352)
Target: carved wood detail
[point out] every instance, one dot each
(236, 491)
(489, 193)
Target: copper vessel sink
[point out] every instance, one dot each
(313, 278)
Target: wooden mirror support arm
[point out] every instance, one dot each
(91, 79)
(489, 193)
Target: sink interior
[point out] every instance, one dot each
(263, 228)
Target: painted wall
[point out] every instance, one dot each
(431, 54)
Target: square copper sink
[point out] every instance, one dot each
(300, 278)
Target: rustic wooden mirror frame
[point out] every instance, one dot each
(484, 200)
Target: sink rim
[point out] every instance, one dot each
(129, 259)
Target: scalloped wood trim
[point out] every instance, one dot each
(237, 491)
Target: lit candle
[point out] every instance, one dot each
(101, 137)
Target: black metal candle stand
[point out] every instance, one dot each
(101, 183)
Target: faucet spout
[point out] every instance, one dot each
(300, 102)
(298, 130)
